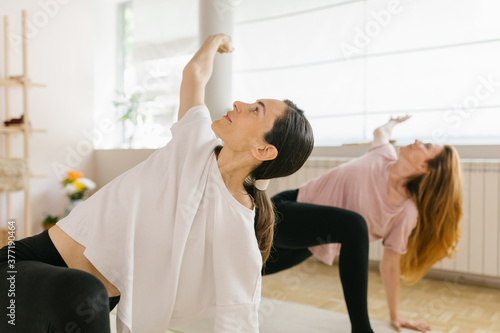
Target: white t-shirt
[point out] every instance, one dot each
(171, 237)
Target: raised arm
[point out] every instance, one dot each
(382, 134)
(198, 71)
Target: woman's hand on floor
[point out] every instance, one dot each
(411, 324)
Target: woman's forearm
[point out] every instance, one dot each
(202, 63)
(390, 278)
(382, 134)
(198, 71)
(386, 129)
(390, 271)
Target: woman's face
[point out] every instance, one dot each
(418, 153)
(243, 128)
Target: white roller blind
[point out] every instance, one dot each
(352, 64)
(164, 28)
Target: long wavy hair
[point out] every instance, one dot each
(438, 197)
(292, 136)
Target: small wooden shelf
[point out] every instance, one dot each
(19, 129)
(19, 82)
(25, 130)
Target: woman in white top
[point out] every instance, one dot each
(181, 235)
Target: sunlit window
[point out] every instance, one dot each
(153, 49)
(352, 64)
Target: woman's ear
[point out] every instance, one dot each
(423, 167)
(265, 153)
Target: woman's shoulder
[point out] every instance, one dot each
(194, 131)
(194, 114)
(386, 149)
(409, 211)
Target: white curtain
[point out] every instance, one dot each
(164, 28)
(352, 64)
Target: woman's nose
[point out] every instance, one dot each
(237, 106)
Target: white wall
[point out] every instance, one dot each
(60, 55)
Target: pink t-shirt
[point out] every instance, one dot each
(360, 185)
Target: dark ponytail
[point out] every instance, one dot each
(264, 217)
(293, 138)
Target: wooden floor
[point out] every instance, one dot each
(448, 306)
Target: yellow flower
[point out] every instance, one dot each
(79, 186)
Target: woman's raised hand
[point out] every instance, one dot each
(398, 120)
(382, 134)
(224, 43)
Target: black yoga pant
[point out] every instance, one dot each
(302, 225)
(49, 296)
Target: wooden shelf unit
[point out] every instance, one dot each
(24, 129)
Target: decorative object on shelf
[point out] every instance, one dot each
(75, 187)
(50, 221)
(14, 121)
(133, 112)
(13, 174)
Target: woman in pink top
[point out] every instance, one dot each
(413, 202)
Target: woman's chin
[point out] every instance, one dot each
(216, 127)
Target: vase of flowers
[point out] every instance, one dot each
(75, 186)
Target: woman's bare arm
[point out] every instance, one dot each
(390, 272)
(198, 71)
(72, 253)
(382, 134)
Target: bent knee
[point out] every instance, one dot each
(358, 225)
(81, 300)
(81, 291)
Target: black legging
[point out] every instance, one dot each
(49, 296)
(302, 225)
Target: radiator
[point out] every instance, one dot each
(478, 249)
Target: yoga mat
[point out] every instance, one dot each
(285, 317)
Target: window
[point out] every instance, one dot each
(155, 43)
(352, 64)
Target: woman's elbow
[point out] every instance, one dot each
(389, 268)
(189, 70)
(193, 72)
(390, 262)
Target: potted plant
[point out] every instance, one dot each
(50, 221)
(132, 111)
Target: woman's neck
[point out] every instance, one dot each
(234, 168)
(398, 178)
